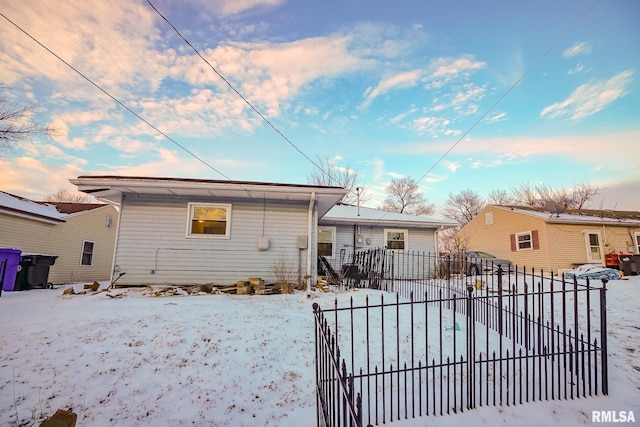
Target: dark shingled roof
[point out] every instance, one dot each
(70, 207)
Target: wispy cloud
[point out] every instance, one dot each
(581, 48)
(590, 98)
(577, 69)
(402, 80)
(443, 70)
(232, 7)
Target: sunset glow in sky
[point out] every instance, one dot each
(410, 88)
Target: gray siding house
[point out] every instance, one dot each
(345, 229)
(194, 231)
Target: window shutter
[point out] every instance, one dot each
(535, 240)
(513, 242)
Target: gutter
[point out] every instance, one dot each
(312, 203)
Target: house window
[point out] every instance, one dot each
(638, 243)
(326, 241)
(208, 220)
(488, 217)
(594, 247)
(396, 239)
(524, 241)
(87, 253)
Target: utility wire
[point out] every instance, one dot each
(262, 116)
(123, 105)
(516, 83)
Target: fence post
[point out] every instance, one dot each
(471, 389)
(603, 337)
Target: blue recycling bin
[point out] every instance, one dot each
(10, 257)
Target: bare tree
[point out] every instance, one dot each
(404, 196)
(525, 195)
(582, 193)
(63, 195)
(540, 194)
(334, 174)
(17, 123)
(463, 207)
(499, 197)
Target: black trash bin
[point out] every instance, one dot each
(628, 264)
(33, 271)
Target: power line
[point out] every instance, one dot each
(123, 105)
(262, 116)
(516, 83)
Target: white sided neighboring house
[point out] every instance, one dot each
(346, 228)
(180, 231)
(80, 235)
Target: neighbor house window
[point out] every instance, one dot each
(524, 241)
(594, 247)
(87, 253)
(208, 220)
(396, 239)
(326, 241)
(638, 243)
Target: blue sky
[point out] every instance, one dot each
(387, 88)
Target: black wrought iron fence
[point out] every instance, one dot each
(439, 346)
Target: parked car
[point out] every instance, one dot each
(475, 262)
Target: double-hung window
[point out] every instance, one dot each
(396, 239)
(326, 241)
(87, 253)
(209, 220)
(524, 241)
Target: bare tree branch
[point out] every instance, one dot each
(463, 207)
(17, 123)
(63, 195)
(334, 174)
(404, 196)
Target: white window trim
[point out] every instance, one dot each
(636, 243)
(93, 252)
(530, 248)
(397, 230)
(333, 241)
(227, 234)
(588, 246)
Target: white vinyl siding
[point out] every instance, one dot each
(159, 252)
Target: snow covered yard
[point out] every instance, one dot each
(224, 360)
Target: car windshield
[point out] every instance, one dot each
(484, 255)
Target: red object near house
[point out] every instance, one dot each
(612, 260)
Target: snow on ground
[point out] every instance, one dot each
(225, 360)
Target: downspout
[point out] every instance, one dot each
(310, 228)
(437, 240)
(118, 207)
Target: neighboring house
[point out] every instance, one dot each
(194, 231)
(345, 228)
(81, 235)
(552, 240)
